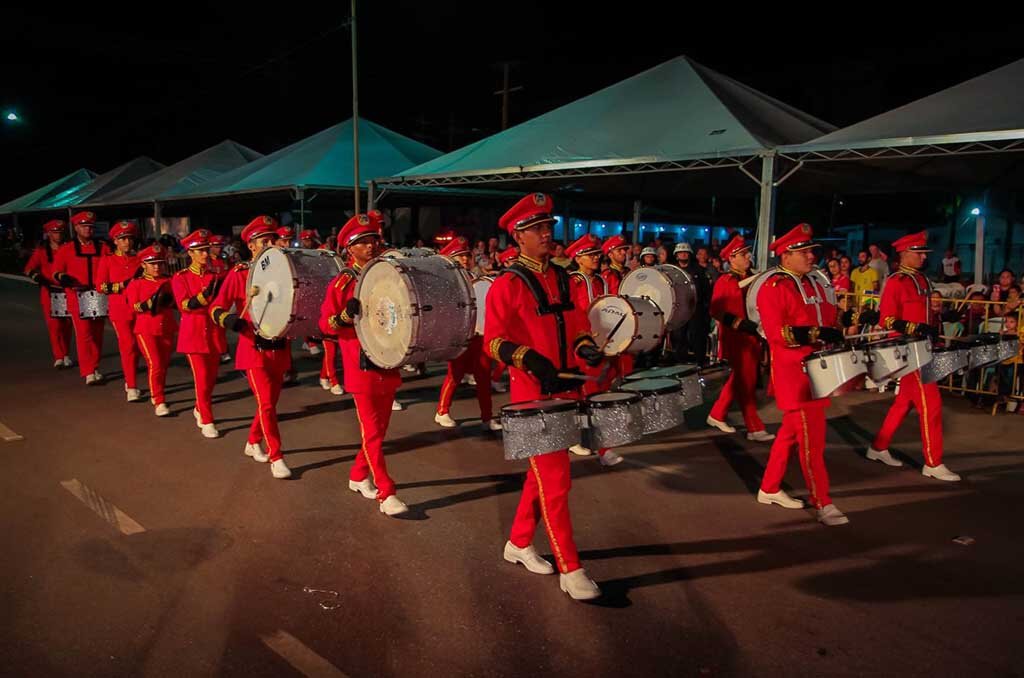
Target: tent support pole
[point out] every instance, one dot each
(355, 110)
(371, 196)
(637, 205)
(766, 213)
(979, 248)
(156, 219)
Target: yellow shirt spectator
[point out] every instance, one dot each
(865, 280)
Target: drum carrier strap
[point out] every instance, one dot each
(88, 258)
(545, 307)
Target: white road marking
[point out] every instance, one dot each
(7, 434)
(303, 659)
(103, 508)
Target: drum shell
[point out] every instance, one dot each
(92, 304)
(300, 274)
(528, 436)
(1009, 346)
(660, 411)
(612, 426)
(644, 320)
(885, 358)
(984, 354)
(693, 390)
(919, 354)
(59, 305)
(687, 375)
(831, 372)
(667, 286)
(945, 361)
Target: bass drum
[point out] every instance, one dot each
(637, 323)
(414, 310)
(667, 286)
(760, 279)
(290, 284)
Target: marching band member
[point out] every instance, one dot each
(218, 265)
(533, 327)
(40, 269)
(194, 288)
(586, 285)
(373, 389)
(615, 248)
(285, 235)
(740, 343)
(112, 278)
(505, 259)
(474, 360)
(74, 268)
(905, 309)
(309, 239)
(154, 324)
(264, 361)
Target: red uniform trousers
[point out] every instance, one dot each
(156, 349)
(499, 367)
(128, 349)
(59, 329)
(265, 382)
(88, 337)
(329, 367)
(546, 496)
(926, 400)
(741, 386)
(802, 429)
(475, 361)
(204, 374)
(373, 410)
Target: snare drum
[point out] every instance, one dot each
(414, 310)
(661, 403)
(919, 354)
(538, 427)
(687, 375)
(481, 286)
(983, 350)
(92, 305)
(59, 305)
(636, 324)
(1009, 346)
(835, 371)
(612, 419)
(290, 285)
(945, 361)
(667, 286)
(885, 358)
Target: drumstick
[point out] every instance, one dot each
(867, 334)
(580, 377)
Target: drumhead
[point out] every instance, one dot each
(271, 309)
(657, 386)
(604, 314)
(481, 286)
(533, 407)
(385, 325)
(612, 399)
(667, 372)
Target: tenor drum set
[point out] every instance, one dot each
(91, 304)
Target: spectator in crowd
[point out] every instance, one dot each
(559, 258)
(648, 256)
(716, 264)
(633, 260)
(879, 262)
(493, 248)
(951, 267)
(690, 341)
(703, 261)
(484, 266)
(864, 278)
(1011, 371)
(663, 254)
(840, 281)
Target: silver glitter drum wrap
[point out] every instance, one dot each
(983, 355)
(292, 283)
(661, 411)
(59, 305)
(945, 361)
(1008, 347)
(612, 419)
(535, 429)
(693, 390)
(92, 304)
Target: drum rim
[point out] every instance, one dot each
(688, 370)
(633, 398)
(830, 351)
(636, 323)
(981, 339)
(672, 387)
(248, 284)
(396, 264)
(887, 343)
(562, 405)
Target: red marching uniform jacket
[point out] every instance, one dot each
(112, 278)
(782, 307)
(160, 321)
(78, 264)
(905, 296)
(729, 300)
(613, 278)
(42, 261)
(198, 333)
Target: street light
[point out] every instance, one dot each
(11, 116)
(976, 212)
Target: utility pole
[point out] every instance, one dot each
(505, 91)
(355, 110)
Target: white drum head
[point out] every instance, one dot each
(385, 324)
(604, 314)
(651, 283)
(272, 276)
(481, 286)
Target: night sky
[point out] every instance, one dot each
(97, 87)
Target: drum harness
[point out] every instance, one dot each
(545, 307)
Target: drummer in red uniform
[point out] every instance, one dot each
(263, 361)
(794, 330)
(536, 330)
(309, 239)
(74, 268)
(40, 269)
(285, 236)
(218, 265)
(587, 284)
(194, 289)
(905, 309)
(373, 389)
(740, 343)
(615, 248)
(155, 323)
(474, 360)
(112, 278)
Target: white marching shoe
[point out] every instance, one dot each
(470, 379)
(364, 487)
(780, 498)
(396, 406)
(760, 436)
(610, 458)
(939, 472)
(495, 425)
(528, 558)
(225, 357)
(580, 450)
(831, 516)
(59, 363)
(498, 387)
(325, 384)
(578, 585)
(209, 430)
(720, 425)
(337, 390)
(280, 470)
(883, 456)
(68, 362)
(255, 450)
(314, 349)
(393, 506)
(198, 417)
(444, 420)
(91, 379)
(133, 395)
(162, 410)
